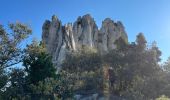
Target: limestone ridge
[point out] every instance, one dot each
(61, 40)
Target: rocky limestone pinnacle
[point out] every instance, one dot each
(62, 39)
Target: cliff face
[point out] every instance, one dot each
(61, 40)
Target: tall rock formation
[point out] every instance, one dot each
(61, 40)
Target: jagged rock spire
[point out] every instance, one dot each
(62, 39)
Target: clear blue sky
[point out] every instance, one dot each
(152, 17)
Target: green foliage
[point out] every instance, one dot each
(136, 69)
(4, 78)
(121, 44)
(135, 73)
(38, 64)
(141, 41)
(56, 88)
(10, 51)
(41, 74)
(130, 71)
(84, 66)
(17, 86)
(38, 80)
(85, 60)
(166, 65)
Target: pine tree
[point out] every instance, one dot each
(141, 41)
(38, 64)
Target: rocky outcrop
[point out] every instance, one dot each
(109, 33)
(62, 39)
(85, 32)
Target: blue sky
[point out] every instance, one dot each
(152, 17)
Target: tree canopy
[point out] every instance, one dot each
(132, 71)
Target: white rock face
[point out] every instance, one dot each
(109, 33)
(61, 40)
(85, 31)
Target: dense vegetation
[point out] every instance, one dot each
(132, 71)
